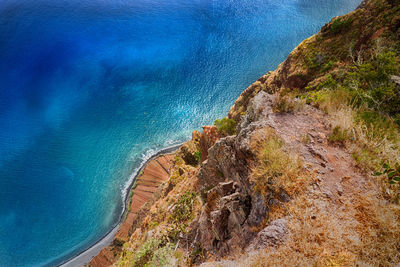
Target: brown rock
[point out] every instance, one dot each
(208, 138)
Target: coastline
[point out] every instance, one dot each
(86, 255)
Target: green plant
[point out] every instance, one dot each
(328, 66)
(392, 173)
(372, 85)
(183, 208)
(181, 214)
(197, 254)
(341, 24)
(145, 253)
(162, 256)
(197, 156)
(287, 104)
(338, 135)
(134, 185)
(226, 126)
(379, 126)
(283, 104)
(306, 139)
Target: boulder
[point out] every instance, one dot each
(271, 235)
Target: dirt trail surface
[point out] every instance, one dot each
(340, 219)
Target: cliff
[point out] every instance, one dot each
(303, 171)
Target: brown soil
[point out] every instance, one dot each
(154, 174)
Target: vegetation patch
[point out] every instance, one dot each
(392, 173)
(286, 104)
(339, 135)
(341, 24)
(226, 126)
(275, 166)
(182, 214)
(146, 252)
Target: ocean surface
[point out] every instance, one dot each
(89, 89)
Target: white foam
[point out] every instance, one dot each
(148, 154)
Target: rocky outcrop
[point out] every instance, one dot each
(208, 138)
(241, 104)
(271, 235)
(232, 206)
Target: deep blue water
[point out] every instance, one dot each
(89, 88)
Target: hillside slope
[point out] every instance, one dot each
(303, 171)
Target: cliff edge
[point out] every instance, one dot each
(304, 170)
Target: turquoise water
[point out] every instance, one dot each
(91, 88)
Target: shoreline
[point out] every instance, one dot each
(86, 255)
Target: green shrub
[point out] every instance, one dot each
(328, 66)
(197, 156)
(226, 126)
(372, 84)
(392, 173)
(286, 104)
(338, 135)
(379, 126)
(183, 208)
(162, 256)
(181, 214)
(145, 253)
(341, 24)
(134, 185)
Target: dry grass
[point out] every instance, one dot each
(287, 104)
(363, 232)
(369, 145)
(275, 166)
(361, 229)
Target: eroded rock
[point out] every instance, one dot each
(271, 235)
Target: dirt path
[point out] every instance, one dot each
(340, 219)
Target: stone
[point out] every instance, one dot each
(226, 188)
(283, 195)
(339, 189)
(208, 138)
(258, 210)
(271, 235)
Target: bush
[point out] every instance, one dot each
(162, 256)
(284, 104)
(183, 208)
(341, 24)
(338, 135)
(181, 214)
(372, 84)
(197, 156)
(392, 173)
(275, 168)
(328, 66)
(226, 126)
(145, 253)
(379, 127)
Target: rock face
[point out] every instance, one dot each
(207, 139)
(221, 225)
(271, 235)
(232, 206)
